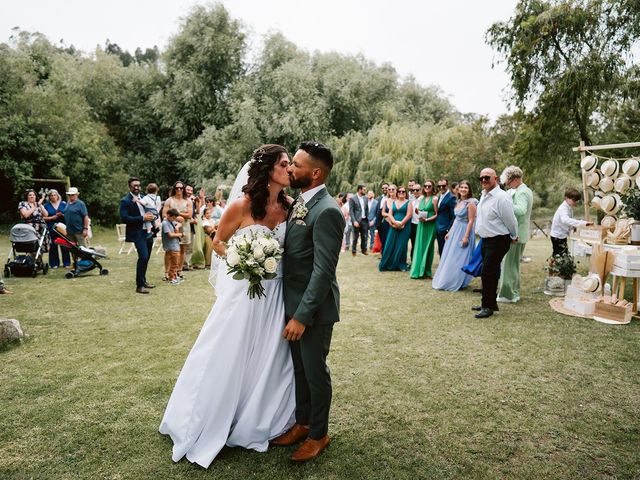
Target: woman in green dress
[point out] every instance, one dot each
(426, 206)
(397, 212)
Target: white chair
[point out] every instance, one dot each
(121, 229)
(157, 240)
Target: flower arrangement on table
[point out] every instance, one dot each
(253, 257)
(562, 266)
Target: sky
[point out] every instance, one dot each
(438, 42)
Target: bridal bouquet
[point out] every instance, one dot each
(253, 257)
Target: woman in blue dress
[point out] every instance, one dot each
(459, 245)
(397, 213)
(55, 208)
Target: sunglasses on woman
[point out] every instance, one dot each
(402, 191)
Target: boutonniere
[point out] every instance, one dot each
(300, 211)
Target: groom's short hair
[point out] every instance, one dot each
(319, 152)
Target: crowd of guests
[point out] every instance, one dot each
(404, 224)
(185, 223)
(45, 212)
(474, 237)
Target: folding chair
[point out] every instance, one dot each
(121, 229)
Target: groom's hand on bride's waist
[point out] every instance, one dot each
(294, 330)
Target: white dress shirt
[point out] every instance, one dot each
(495, 215)
(309, 194)
(362, 199)
(563, 221)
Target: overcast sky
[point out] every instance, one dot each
(439, 42)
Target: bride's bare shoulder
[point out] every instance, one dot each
(242, 204)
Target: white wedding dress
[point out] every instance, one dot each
(236, 387)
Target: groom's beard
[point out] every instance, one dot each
(301, 182)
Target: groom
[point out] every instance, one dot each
(311, 296)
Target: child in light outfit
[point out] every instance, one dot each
(152, 204)
(563, 221)
(171, 245)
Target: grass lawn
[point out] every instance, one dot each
(421, 388)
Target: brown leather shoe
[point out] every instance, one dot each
(295, 434)
(310, 449)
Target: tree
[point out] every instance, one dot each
(355, 90)
(202, 62)
(566, 57)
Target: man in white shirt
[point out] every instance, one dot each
(497, 225)
(563, 221)
(359, 217)
(372, 203)
(414, 194)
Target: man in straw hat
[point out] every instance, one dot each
(76, 218)
(497, 225)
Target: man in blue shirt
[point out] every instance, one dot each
(76, 218)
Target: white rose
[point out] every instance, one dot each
(270, 265)
(241, 242)
(264, 242)
(233, 258)
(258, 254)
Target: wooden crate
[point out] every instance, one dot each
(592, 233)
(613, 312)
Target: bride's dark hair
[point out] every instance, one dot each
(262, 162)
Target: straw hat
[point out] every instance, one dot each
(611, 203)
(589, 163)
(60, 228)
(597, 198)
(610, 168)
(591, 283)
(606, 184)
(593, 178)
(623, 183)
(609, 222)
(631, 167)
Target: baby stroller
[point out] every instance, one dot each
(25, 239)
(86, 258)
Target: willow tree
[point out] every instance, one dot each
(567, 57)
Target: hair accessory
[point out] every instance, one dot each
(258, 154)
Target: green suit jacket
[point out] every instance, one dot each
(311, 252)
(522, 205)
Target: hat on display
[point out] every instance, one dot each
(597, 198)
(589, 163)
(623, 183)
(610, 168)
(606, 184)
(591, 283)
(611, 203)
(72, 191)
(593, 178)
(631, 167)
(609, 222)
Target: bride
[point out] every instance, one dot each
(236, 387)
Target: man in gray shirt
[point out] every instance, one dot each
(497, 226)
